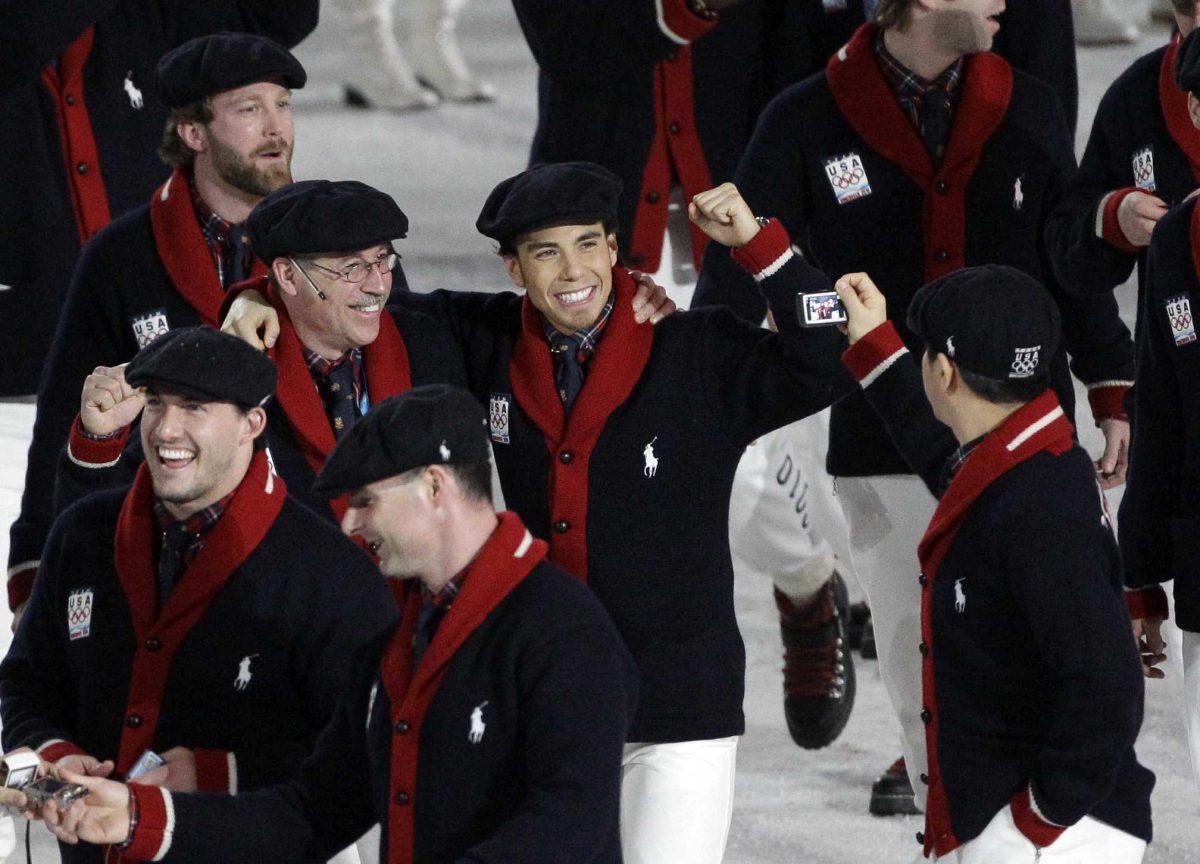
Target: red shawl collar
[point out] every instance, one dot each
(387, 369)
(1175, 109)
(251, 513)
(870, 106)
(611, 376)
(1036, 427)
(508, 556)
(1194, 232)
(183, 251)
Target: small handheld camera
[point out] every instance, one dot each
(19, 771)
(820, 309)
(148, 761)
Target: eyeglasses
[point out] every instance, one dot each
(357, 272)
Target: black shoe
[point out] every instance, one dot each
(892, 794)
(867, 649)
(818, 670)
(860, 614)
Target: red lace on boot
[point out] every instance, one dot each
(813, 654)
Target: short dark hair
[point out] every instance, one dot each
(1184, 7)
(892, 13)
(173, 150)
(1006, 391)
(508, 246)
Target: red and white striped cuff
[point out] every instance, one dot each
(1108, 227)
(56, 748)
(91, 452)
(679, 23)
(151, 838)
(1029, 819)
(216, 771)
(1148, 602)
(874, 354)
(1107, 399)
(767, 252)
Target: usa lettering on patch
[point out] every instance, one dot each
(150, 326)
(79, 614)
(1183, 325)
(848, 178)
(834, 5)
(1143, 170)
(498, 417)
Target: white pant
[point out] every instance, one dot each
(887, 517)
(1191, 696)
(677, 801)
(784, 520)
(1088, 841)
(676, 271)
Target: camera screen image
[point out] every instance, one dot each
(819, 309)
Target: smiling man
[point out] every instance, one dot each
(229, 138)
(202, 613)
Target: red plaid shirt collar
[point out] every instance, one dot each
(587, 338)
(200, 524)
(444, 596)
(910, 88)
(219, 234)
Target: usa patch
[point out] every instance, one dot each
(847, 178)
(150, 326)
(79, 614)
(1143, 170)
(1183, 326)
(834, 5)
(498, 417)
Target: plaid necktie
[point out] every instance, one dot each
(237, 267)
(427, 624)
(568, 371)
(170, 559)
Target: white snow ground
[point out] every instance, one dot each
(792, 805)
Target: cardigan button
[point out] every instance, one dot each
(941, 256)
(926, 716)
(942, 187)
(925, 779)
(566, 457)
(562, 526)
(153, 643)
(674, 128)
(70, 99)
(82, 168)
(653, 197)
(924, 649)
(923, 580)
(401, 727)
(402, 798)
(921, 837)
(133, 721)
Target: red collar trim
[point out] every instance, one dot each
(183, 250)
(612, 374)
(251, 513)
(506, 559)
(1175, 111)
(870, 106)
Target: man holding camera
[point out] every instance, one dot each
(202, 614)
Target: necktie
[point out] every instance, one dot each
(236, 268)
(170, 560)
(935, 122)
(427, 624)
(568, 371)
(343, 407)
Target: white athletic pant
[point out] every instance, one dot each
(1191, 696)
(1089, 841)
(676, 271)
(677, 801)
(887, 517)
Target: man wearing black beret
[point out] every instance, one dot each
(1142, 158)
(203, 613)
(917, 152)
(165, 264)
(339, 351)
(1032, 692)
(487, 726)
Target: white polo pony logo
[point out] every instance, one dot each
(243, 677)
(1018, 195)
(960, 599)
(135, 95)
(478, 727)
(651, 460)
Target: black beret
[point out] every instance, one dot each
(205, 363)
(1187, 63)
(995, 321)
(315, 216)
(561, 193)
(432, 425)
(212, 64)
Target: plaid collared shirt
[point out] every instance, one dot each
(225, 241)
(199, 525)
(911, 89)
(586, 339)
(442, 599)
(320, 368)
(956, 461)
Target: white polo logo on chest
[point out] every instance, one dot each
(1179, 314)
(498, 411)
(242, 681)
(1143, 170)
(1025, 362)
(847, 178)
(478, 727)
(1018, 194)
(651, 466)
(149, 327)
(960, 598)
(79, 614)
(131, 90)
